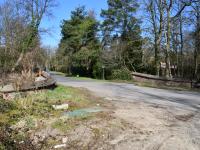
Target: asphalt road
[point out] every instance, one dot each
(131, 93)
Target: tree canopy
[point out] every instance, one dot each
(79, 43)
(122, 33)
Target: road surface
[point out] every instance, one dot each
(129, 92)
(157, 119)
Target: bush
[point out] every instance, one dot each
(97, 71)
(121, 74)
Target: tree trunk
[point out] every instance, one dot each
(18, 61)
(168, 38)
(197, 41)
(195, 63)
(157, 58)
(181, 48)
(157, 31)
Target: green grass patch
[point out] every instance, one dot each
(39, 103)
(58, 73)
(87, 79)
(62, 125)
(31, 107)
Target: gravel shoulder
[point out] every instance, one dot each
(139, 118)
(138, 126)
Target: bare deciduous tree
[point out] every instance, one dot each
(156, 11)
(35, 10)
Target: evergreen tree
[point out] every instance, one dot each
(79, 44)
(121, 25)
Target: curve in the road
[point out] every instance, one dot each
(130, 92)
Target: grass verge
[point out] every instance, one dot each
(33, 111)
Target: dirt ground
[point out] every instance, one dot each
(137, 126)
(137, 118)
(123, 125)
(119, 126)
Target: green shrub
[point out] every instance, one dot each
(121, 74)
(97, 70)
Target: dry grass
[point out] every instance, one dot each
(34, 109)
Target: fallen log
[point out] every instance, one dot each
(156, 80)
(50, 82)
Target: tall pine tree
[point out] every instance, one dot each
(121, 27)
(79, 44)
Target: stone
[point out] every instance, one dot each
(20, 125)
(108, 98)
(60, 146)
(9, 96)
(38, 138)
(21, 142)
(8, 88)
(64, 140)
(38, 79)
(61, 107)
